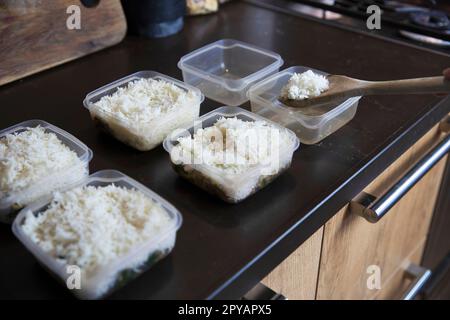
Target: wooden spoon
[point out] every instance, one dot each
(341, 88)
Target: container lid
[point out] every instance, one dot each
(205, 60)
(267, 93)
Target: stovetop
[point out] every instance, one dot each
(426, 22)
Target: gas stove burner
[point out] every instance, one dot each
(425, 39)
(432, 19)
(412, 20)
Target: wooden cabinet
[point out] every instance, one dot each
(296, 277)
(395, 285)
(338, 261)
(353, 247)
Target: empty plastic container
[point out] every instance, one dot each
(225, 70)
(144, 135)
(12, 202)
(311, 124)
(232, 187)
(125, 268)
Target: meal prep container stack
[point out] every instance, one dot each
(311, 124)
(152, 133)
(225, 70)
(231, 188)
(10, 203)
(125, 268)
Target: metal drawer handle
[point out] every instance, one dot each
(421, 276)
(261, 292)
(373, 209)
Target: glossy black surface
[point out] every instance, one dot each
(223, 250)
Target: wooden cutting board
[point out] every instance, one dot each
(34, 34)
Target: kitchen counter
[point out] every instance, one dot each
(223, 250)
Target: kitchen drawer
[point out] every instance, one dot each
(353, 247)
(399, 283)
(438, 287)
(296, 277)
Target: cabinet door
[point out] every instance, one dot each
(395, 286)
(296, 277)
(355, 252)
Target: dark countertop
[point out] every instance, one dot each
(223, 250)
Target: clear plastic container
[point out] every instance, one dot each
(225, 70)
(231, 188)
(123, 270)
(11, 203)
(144, 136)
(311, 124)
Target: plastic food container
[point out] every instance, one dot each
(143, 136)
(11, 203)
(225, 70)
(311, 124)
(231, 188)
(123, 270)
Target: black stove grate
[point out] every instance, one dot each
(421, 20)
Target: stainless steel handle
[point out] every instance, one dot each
(421, 276)
(261, 292)
(373, 209)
